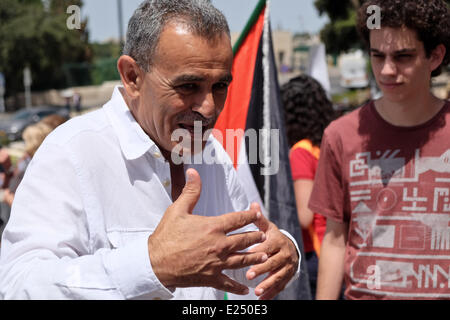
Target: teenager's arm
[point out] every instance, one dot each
(331, 262)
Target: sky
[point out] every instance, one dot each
(290, 15)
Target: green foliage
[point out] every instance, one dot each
(35, 36)
(106, 50)
(334, 9)
(340, 33)
(60, 6)
(104, 70)
(104, 67)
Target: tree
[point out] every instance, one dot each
(36, 35)
(104, 65)
(340, 33)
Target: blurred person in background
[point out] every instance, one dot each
(5, 176)
(77, 102)
(308, 111)
(53, 120)
(5, 167)
(33, 136)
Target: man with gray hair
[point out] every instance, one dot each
(104, 211)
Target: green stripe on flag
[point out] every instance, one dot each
(249, 25)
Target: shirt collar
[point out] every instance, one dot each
(134, 142)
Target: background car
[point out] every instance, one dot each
(13, 126)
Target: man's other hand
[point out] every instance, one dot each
(282, 260)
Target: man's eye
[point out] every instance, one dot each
(377, 56)
(222, 86)
(187, 87)
(403, 56)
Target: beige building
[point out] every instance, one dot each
(302, 42)
(283, 47)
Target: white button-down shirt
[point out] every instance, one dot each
(92, 195)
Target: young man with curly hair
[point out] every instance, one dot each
(383, 179)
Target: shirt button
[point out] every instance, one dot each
(157, 155)
(166, 183)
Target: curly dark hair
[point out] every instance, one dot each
(429, 18)
(307, 109)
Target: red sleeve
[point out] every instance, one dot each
(327, 197)
(303, 164)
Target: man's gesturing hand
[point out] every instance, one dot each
(282, 262)
(191, 251)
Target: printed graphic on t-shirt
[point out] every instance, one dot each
(400, 224)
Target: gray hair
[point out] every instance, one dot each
(150, 18)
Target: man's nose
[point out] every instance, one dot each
(389, 68)
(205, 105)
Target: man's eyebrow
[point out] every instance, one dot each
(195, 78)
(406, 50)
(188, 78)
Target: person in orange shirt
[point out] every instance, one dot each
(308, 111)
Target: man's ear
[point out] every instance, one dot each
(131, 74)
(437, 56)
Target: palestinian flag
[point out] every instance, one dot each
(253, 111)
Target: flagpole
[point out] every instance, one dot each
(120, 16)
(266, 106)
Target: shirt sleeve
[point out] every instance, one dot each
(47, 251)
(327, 197)
(303, 164)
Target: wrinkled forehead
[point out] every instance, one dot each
(178, 44)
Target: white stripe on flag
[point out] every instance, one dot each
(266, 104)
